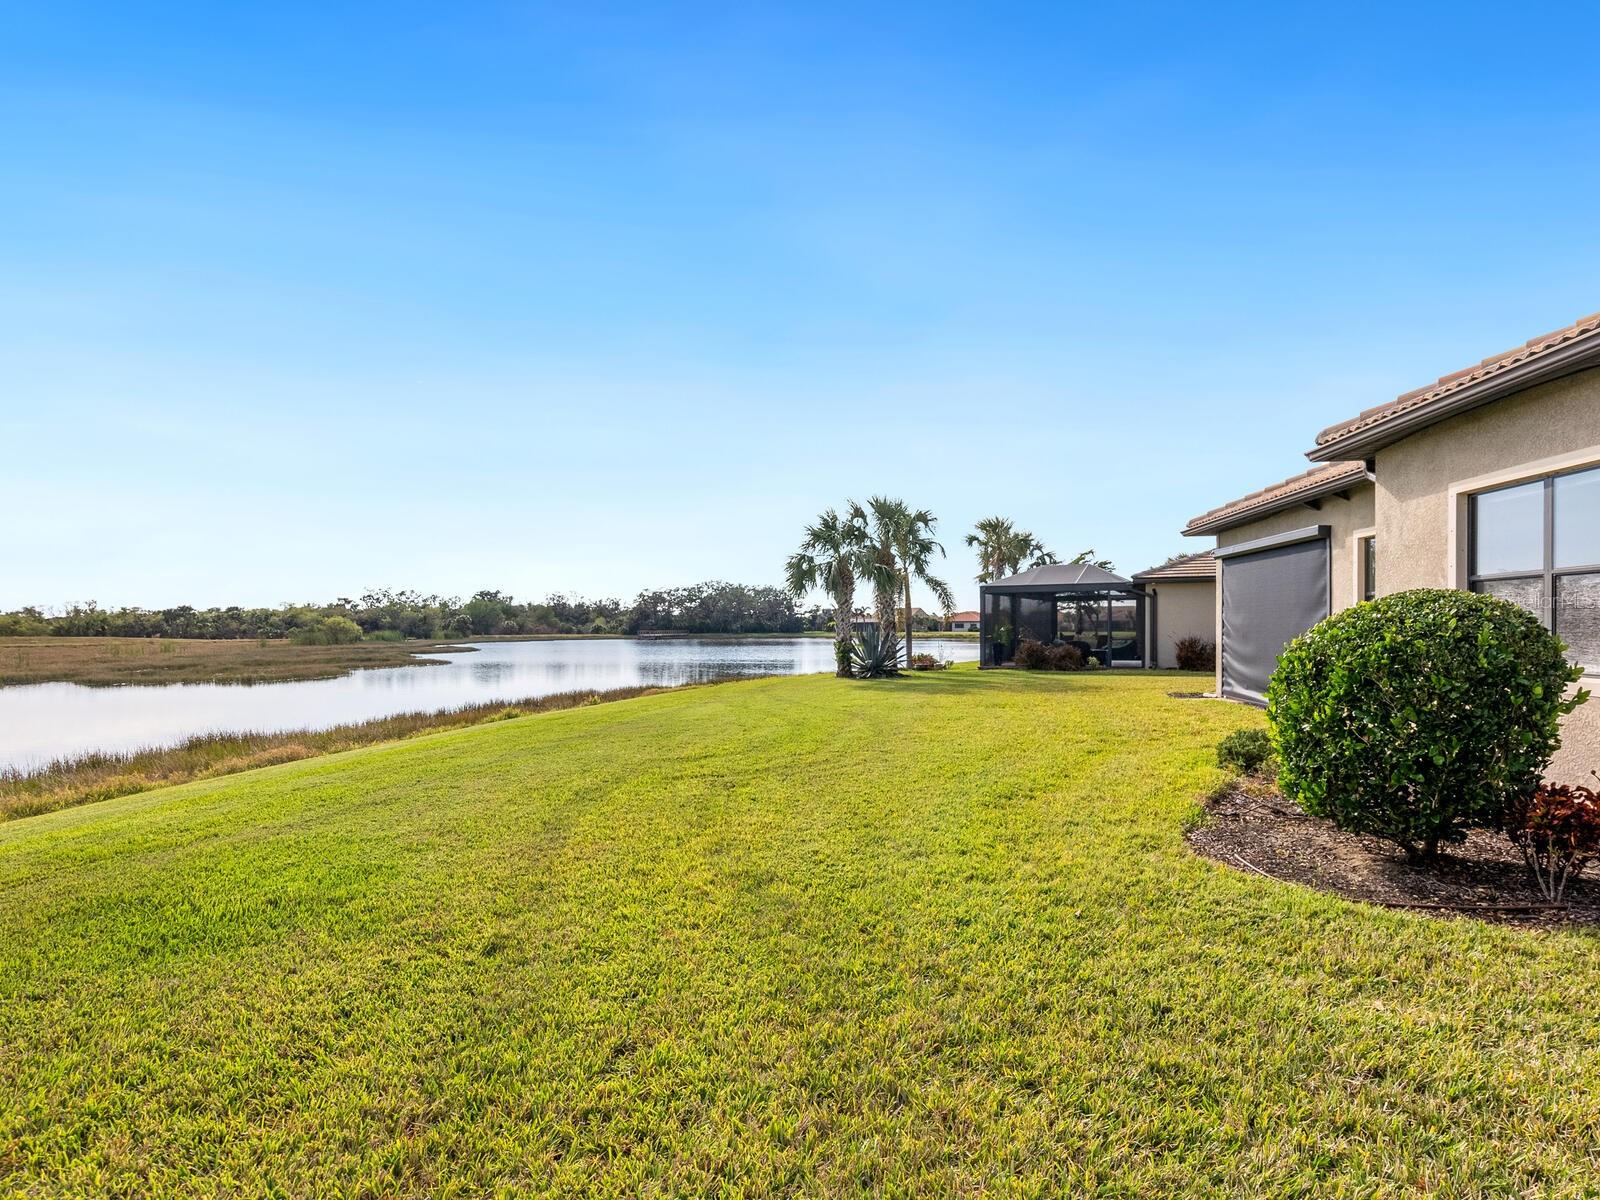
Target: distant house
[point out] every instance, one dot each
(963, 622)
(1487, 480)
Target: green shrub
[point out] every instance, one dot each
(1036, 656)
(1065, 658)
(327, 631)
(1419, 716)
(1032, 655)
(1244, 750)
(22, 624)
(1195, 654)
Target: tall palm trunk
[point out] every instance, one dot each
(883, 597)
(908, 619)
(843, 602)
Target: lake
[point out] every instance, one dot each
(45, 721)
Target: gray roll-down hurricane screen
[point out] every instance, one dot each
(1269, 598)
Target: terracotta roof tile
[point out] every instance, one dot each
(1447, 385)
(1311, 483)
(1191, 566)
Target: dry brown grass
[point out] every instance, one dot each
(111, 660)
(68, 782)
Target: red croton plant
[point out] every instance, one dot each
(1558, 831)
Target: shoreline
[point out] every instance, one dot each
(86, 779)
(116, 661)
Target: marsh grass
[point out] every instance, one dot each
(92, 777)
(108, 661)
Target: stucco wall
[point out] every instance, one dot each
(1415, 476)
(1419, 523)
(1182, 609)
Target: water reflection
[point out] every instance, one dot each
(40, 722)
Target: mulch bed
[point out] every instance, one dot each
(1249, 827)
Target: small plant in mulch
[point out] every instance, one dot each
(927, 662)
(1558, 831)
(1246, 751)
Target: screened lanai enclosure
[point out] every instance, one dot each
(1100, 613)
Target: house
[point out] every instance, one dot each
(1487, 479)
(963, 622)
(1180, 602)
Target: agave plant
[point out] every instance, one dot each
(874, 653)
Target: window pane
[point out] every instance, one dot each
(1125, 631)
(1578, 519)
(1529, 593)
(1578, 617)
(1083, 622)
(1508, 529)
(1369, 568)
(1036, 618)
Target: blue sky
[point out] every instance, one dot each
(297, 300)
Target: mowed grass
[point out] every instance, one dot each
(933, 936)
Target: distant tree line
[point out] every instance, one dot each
(712, 607)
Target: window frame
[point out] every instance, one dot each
(1549, 572)
(1364, 565)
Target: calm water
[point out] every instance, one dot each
(45, 721)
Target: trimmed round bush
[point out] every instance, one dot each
(1419, 716)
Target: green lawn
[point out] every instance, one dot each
(935, 936)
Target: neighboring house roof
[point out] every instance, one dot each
(1301, 489)
(1536, 361)
(1190, 567)
(964, 616)
(1082, 576)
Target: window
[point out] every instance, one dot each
(1537, 544)
(1369, 567)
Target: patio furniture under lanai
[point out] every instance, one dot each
(1074, 603)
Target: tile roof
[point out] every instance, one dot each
(964, 616)
(1191, 566)
(1318, 481)
(1449, 387)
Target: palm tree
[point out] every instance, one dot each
(914, 548)
(904, 540)
(1003, 548)
(887, 516)
(987, 535)
(834, 553)
(1087, 556)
